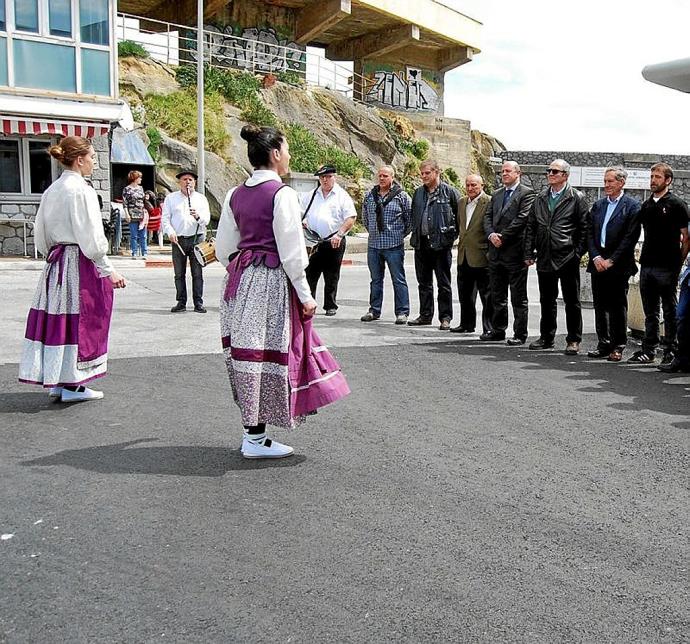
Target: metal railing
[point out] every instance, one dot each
(24, 223)
(176, 44)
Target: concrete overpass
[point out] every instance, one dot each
(674, 74)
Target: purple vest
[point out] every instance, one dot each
(252, 207)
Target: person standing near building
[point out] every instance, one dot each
(330, 212)
(386, 213)
(185, 216)
(681, 361)
(434, 215)
(613, 231)
(664, 218)
(473, 272)
(504, 225)
(557, 237)
(136, 213)
(66, 339)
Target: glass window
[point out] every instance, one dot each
(40, 168)
(44, 66)
(26, 15)
(3, 61)
(9, 166)
(94, 22)
(3, 23)
(95, 72)
(60, 13)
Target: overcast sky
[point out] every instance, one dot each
(567, 75)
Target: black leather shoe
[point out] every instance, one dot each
(419, 321)
(676, 365)
(331, 312)
(199, 309)
(178, 308)
(492, 337)
(515, 342)
(461, 329)
(598, 353)
(540, 343)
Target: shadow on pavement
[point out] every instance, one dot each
(29, 402)
(651, 390)
(180, 460)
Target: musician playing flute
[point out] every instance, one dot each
(185, 217)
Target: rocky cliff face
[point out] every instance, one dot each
(333, 120)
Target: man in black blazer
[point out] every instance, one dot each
(613, 231)
(504, 226)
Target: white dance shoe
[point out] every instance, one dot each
(55, 392)
(80, 396)
(256, 449)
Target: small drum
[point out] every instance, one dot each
(311, 240)
(205, 252)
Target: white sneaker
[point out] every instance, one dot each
(80, 396)
(250, 449)
(55, 392)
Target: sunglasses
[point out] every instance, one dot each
(554, 171)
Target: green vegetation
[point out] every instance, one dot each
(291, 77)
(155, 139)
(130, 49)
(176, 114)
(451, 176)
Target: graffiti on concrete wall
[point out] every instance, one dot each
(258, 49)
(407, 91)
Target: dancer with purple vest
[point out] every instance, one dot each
(279, 370)
(66, 339)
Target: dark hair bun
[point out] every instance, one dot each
(250, 132)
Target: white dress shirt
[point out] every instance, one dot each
(176, 217)
(471, 207)
(69, 214)
(327, 214)
(287, 229)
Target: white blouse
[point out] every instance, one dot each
(287, 228)
(69, 214)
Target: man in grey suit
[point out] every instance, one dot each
(504, 225)
(473, 267)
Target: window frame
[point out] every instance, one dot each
(25, 193)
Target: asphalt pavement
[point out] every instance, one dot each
(464, 491)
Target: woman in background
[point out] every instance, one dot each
(137, 216)
(66, 339)
(278, 368)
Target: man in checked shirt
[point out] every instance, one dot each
(386, 214)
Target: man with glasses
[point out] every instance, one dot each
(330, 213)
(557, 237)
(504, 227)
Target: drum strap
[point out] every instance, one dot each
(311, 201)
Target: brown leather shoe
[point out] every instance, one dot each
(615, 356)
(572, 348)
(444, 326)
(419, 321)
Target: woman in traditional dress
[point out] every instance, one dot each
(66, 340)
(279, 370)
(136, 214)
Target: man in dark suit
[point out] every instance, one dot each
(504, 226)
(473, 271)
(613, 231)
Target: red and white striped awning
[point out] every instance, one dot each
(14, 125)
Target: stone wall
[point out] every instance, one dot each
(534, 164)
(23, 207)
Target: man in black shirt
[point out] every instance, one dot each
(664, 217)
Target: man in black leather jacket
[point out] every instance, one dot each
(434, 217)
(557, 237)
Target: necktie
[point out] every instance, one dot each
(506, 196)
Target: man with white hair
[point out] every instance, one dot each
(557, 237)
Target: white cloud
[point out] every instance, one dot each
(567, 76)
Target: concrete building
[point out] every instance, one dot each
(58, 76)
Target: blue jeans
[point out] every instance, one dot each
(137, 238)
(377, 258)
(683, 322)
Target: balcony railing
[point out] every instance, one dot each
(176, 44)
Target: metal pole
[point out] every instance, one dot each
(200, 96)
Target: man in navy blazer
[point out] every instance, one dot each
(613, 230)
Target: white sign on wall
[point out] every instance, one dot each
(593, 177)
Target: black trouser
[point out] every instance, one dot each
(610, 294)
(326, 260)
(180, 265)
(501, 277)
(569, 277)
(427, 263)
(658, 285)
(471, 281)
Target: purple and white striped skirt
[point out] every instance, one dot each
(66, 339)
(279, 370)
